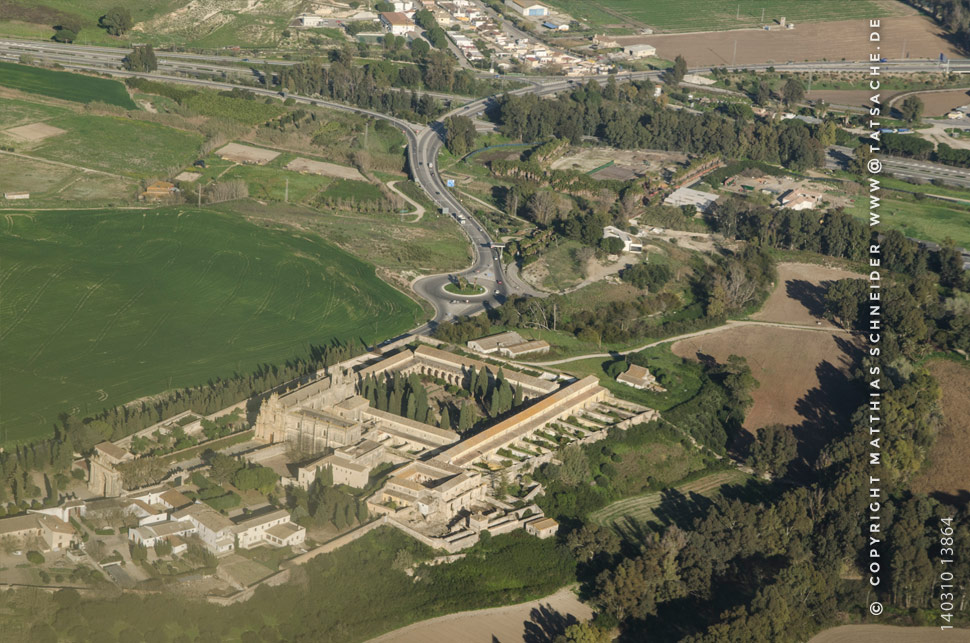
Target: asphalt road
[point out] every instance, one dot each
(424, 143)
(837, 156)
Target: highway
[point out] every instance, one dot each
(425, 142)
(837, 156)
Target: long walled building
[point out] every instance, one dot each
(569, 400)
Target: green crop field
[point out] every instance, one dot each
(64, 85)
(351, 189)
(270, 183)
(929, 219)
(137, 149)
(14, 113)
(712, 15)
(101, 307)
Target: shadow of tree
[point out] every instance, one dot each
(545, 624)
(809, 295)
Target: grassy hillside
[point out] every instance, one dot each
(101, 307)
(137, 149)
(64, 85)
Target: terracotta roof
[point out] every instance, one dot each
(543, 523)
(175, 499)
(53, 523)
(396, 18)
(111, 450)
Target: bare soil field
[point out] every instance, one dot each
(637, 161)
(534, 621)
(188, 176)
(837, 40)
(939, 103)
(948, 473)
(802, 375)
(889, 634)
(33, 132)
(798, 298)
(325, 169)
(247, 154)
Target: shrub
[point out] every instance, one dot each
(35, 557)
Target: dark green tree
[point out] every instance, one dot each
(774, 450)
(911, 109)
(117, 21)
(141, 59)
(793, 91)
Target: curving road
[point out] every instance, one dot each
(423, 146)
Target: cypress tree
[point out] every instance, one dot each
(445, 419)
(394, 403)
(465, 419)
(518, 396)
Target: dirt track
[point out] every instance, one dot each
(497, 625)
(890, 634)
(843, 39)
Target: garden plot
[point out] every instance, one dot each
(247, 154)
(33, 132)
(323, 168)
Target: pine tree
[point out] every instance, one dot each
(445, 419)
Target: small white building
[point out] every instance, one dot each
(310, 20)
(794, 200)
(532, 10)
(639, 378)
(630, 242)
(542, 528)
(215, 530)
(686, 196)
(396, 23)
(151, 535)
(640, 51)
(402, 5)
(13, 196)
(254, 531)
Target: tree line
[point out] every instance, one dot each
(78, 434)
(630, 117)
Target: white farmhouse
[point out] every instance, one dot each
(396, 23)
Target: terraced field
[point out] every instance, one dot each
(638, 510)
(101, 307)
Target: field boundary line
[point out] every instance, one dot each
(73, 167)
